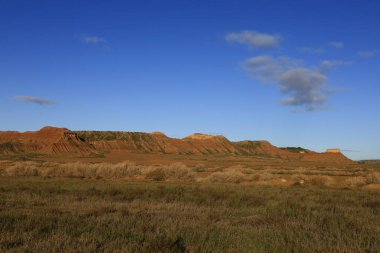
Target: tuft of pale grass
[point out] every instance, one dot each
(226, 177)
(373, 178)
(320, 180)
(355, 181)
(28, 168)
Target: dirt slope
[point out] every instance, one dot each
(48, 140)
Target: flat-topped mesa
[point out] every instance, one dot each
(53, 129)
(200, 136)
(333, 150)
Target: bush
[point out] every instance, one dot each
(199, 168)
(156, 174)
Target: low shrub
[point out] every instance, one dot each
(320, 180)
(156, 174)
(173, 172)
(355, 181)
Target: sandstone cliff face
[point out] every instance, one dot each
(157, 143)
(51, 140)
(198, 144)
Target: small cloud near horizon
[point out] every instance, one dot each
(336, 44)
(368, 54)
(254, 39)
(92, 39)
(35, 100)
(350, 150)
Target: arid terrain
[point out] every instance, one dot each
(198, 158)
(96, 191)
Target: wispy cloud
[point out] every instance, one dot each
(303, 87)
(92, 39)
(35, 100)
(327, 65)
(368, 54)
(350, 150)
(254, 39)
(312, 50)
(336, 44)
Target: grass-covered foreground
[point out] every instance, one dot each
(74, 215)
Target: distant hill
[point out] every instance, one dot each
(373, 161)
(52, 140)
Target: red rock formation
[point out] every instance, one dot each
(51, 140)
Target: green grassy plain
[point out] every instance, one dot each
(97, 215)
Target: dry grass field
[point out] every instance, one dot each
(96, 215)
(50, 206)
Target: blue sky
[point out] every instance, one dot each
(296, 73)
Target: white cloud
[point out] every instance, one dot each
(35, 100)
(92, 39)
(267, 68)
(368, 54)
(336, 44)
(254, 39)
(303, 87)
(312, 50)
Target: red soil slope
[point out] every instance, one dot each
(51, 140)
(48, 140)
